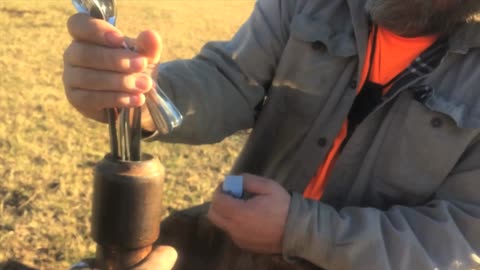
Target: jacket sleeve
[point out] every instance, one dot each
(218, 90)
(443, 234)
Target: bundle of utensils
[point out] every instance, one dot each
(126, 144)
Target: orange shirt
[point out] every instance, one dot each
(393, 54)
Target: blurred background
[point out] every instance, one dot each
(48, 150)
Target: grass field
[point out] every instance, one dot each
(47, 150)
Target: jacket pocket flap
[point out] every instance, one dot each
(465, 114)
(309, 29)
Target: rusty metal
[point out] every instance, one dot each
(126, 210)
(111, 258)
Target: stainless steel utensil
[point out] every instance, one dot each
(103, 10)
(164, 113)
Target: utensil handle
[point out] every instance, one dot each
(165, 115)
(112, 131)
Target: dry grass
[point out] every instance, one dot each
(47, 150)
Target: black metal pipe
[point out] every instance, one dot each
(126, 212)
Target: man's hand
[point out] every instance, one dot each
(256, 224)
(99, 74)
(161, 258)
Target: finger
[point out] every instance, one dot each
(256, 245)
(85, 28)
(246, 244)
(218, 220)
(77, 77)
(149, 44)
(86, 55)
(227, 206)
(90, 102)
(257, 184)
(161, 258)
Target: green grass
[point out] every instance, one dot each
(47, 150)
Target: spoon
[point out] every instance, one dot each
(105, 10)
(164, 113)
(99, 10)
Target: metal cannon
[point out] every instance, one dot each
(126, 212)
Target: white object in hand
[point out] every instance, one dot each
(233, 185)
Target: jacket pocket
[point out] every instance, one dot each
(319, 33)
(420, 149)
(316, 66)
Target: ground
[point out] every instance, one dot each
(47, 150)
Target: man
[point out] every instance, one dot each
(366, 111)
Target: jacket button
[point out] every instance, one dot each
(317, 45)
(436, 122)
(322, 142)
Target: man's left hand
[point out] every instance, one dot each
(256, 224)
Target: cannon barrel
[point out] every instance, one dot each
(126, 212)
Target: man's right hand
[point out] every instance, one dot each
(99, 74)
(161, 258)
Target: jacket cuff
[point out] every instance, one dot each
(308, 234)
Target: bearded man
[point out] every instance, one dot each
(367, 112)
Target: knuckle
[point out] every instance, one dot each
(67, 53)
(96, 80)
(65, 81)
(77, 54)
(69, 96)
(84, 98)
(117, 82)
(82, 52)
(74, 23)
(77, 99)
(111, 58)
(74, 53)
(66, 76)
(92, 79)
(71, 23)
(80, 78)
(103, 56)
(83, 78)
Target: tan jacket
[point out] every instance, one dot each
(405, 191)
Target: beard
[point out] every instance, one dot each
(410, 18)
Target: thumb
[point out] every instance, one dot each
(149, 43)
(257, 185)
(161, 258)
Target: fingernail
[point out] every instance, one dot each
(143, 82)
(138, 63)
(114, 38)
(134, 100)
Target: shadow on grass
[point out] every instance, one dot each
(14, 265)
